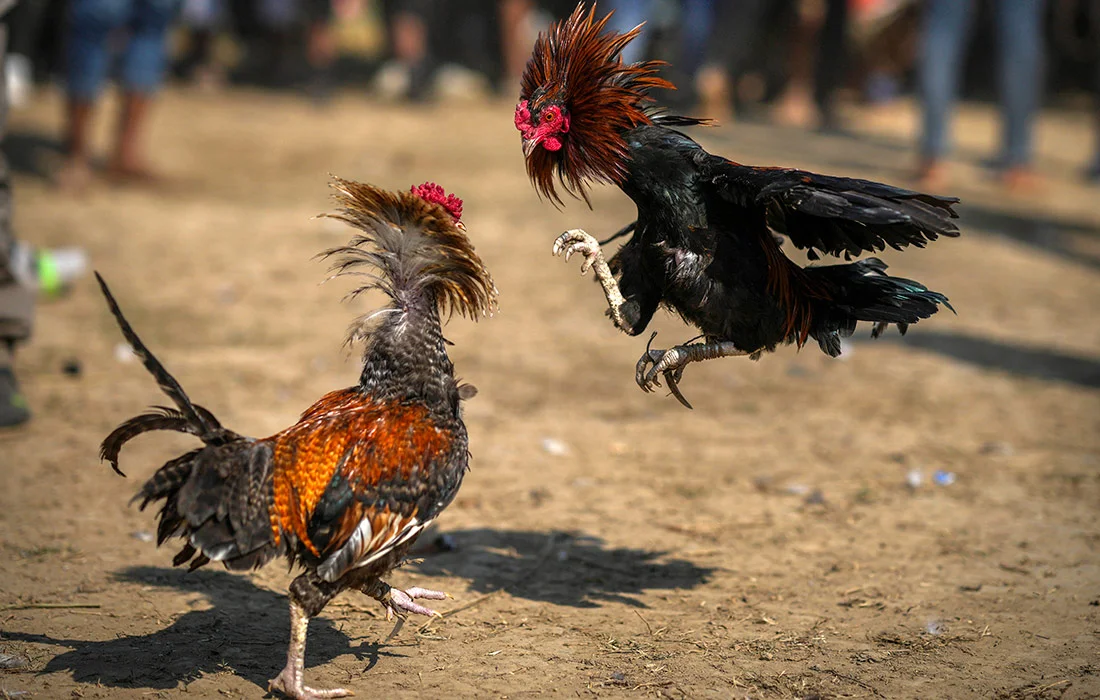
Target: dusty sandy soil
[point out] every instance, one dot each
(765, 545)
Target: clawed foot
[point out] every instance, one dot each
(398, 602)
(292, 687)
(578, 241)
(668, 363)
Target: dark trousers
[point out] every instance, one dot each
(1020, 54)
(16, 300)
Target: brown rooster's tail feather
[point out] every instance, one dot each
(187, 417)
(217, 496)
(420, 252)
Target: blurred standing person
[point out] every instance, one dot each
(689, 21)
(1020, 48)
(92, 25)
(515, 42)
(817, 48)
(1092, 171)
(817, 61)
(16, 298)
(737, 24)
(202, 19)
(321, 50)
(696, 22)
(410, 72)
(629, 14)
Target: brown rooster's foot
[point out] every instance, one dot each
(400, 602)
(289, 683)
(578, 241)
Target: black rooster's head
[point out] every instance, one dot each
(577, 100)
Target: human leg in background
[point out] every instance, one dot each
(320, 47)
(795, 106)
(943, 34)
(696, 23)
(736, 23)
(1020, 48)
(515, 30)
(832, 61)
(87, 60)
(629, 14)
(143, 64)
(1092, 170)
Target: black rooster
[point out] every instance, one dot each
(703, 242)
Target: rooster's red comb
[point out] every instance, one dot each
(437, 195)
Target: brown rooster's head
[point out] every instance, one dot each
(577, 101)
(435, 194)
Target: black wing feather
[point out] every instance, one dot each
(838, 216)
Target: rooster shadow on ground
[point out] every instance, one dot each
(563, 568)
(245, 633)
(1017, 360)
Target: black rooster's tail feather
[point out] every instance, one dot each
(186, 418)
(862, 291)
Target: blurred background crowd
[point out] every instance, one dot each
(794, 62)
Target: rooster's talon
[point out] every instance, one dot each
(576, 241)
(665, 363)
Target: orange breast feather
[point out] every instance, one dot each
(368, 441)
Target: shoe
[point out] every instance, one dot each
(1092, 173)
(13, 405)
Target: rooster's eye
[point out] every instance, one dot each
(548, 117)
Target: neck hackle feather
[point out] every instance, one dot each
(417, 249)
(577, 64)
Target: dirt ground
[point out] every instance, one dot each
(609, 542)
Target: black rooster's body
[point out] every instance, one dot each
(704, 242)
(702, 246)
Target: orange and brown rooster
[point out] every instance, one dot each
(346, 490)
(703, 243)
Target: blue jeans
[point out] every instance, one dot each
(696, 17)
(1020, 57)
(144, 57)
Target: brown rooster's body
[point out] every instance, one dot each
(346, 490)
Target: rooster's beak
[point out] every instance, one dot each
(529, 146)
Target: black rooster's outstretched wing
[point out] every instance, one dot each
(833, 215)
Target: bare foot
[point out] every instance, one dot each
(795, 108)
(931, 176)
(1022, 180)
(74, 176)
(713, 85)
(404, 602)
(134, 173)
(290, 684)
